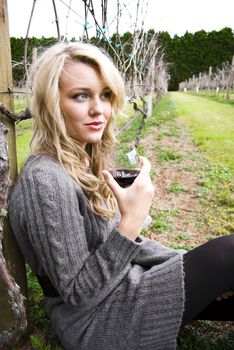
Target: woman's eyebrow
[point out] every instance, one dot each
(80, 88)
(83, 88)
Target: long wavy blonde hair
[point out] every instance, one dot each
(50, 134)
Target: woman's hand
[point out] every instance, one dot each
(134, 201)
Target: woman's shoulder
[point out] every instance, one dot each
(42, 165)
(45, 170)
(44, 180)
(42, 162)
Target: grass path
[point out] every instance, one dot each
(190, 183)
(212, 126)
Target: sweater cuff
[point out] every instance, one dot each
(122, 248)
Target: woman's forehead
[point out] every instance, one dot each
(79, 73)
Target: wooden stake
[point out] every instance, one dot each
(12, 254)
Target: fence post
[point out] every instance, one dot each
(209, 79)
(15, 261)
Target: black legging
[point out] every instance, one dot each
(209, 272)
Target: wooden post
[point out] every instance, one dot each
(151, 78)
(12, 254)
(194, 83)
(199, 81)
(34, 54)
(209, 79)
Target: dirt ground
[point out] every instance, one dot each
(182, 173)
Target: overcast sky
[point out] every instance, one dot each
(174, 16)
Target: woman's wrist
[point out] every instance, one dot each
(129, 227)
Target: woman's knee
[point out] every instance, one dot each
(224, 245)
(213, 256)
(221, 251)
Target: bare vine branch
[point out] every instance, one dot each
(26, 114)
(100, 31)
(26, 38)
(56, 20)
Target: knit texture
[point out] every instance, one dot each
(115, 294)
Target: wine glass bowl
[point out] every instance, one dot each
(124, 177)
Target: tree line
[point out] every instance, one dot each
(185, 55)
(191, 54)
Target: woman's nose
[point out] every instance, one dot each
(96, 106)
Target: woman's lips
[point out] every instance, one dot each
(94, 125)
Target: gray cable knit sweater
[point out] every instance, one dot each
(115, 294)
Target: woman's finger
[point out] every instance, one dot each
(146, 166)
(110, 181)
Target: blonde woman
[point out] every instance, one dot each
(105, 286)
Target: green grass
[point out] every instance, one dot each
(218, 97)
(192, 338)
(166, 155)
(23, 133)
(172, 131)
(162, 221)
(19, 103)
(164, 111)
(211, 124)
(175, 187)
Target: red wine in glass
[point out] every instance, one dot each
(124, 177)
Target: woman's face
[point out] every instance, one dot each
(85, 102)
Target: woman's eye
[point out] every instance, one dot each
(106, 95)
(81, 96)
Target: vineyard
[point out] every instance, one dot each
(219, 82)
(193, 178)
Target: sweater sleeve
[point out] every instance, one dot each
(153, 253)
(54, 214)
